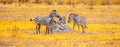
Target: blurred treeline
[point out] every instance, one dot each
(64, 2)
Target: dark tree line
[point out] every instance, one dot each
(61, 2)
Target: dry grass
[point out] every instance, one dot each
(17, 31)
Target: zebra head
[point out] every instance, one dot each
(34, 19)
(70, 18)
(62, 19)
(53, 13)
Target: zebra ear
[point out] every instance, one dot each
(70, 14)
(31, 19)
(54, 10)
(58, 16)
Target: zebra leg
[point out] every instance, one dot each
(46, 30)
(73, 26)
(78, 27)
(37, 28)
(51, 30)
(83, 28)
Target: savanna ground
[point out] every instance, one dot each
(17, 31)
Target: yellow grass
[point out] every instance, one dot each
(18, 31)
(96, 35)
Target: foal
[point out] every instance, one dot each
(78, 20)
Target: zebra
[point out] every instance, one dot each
(78, 20)
(61, 25)
(40, 20)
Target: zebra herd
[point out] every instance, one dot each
(52, 25)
